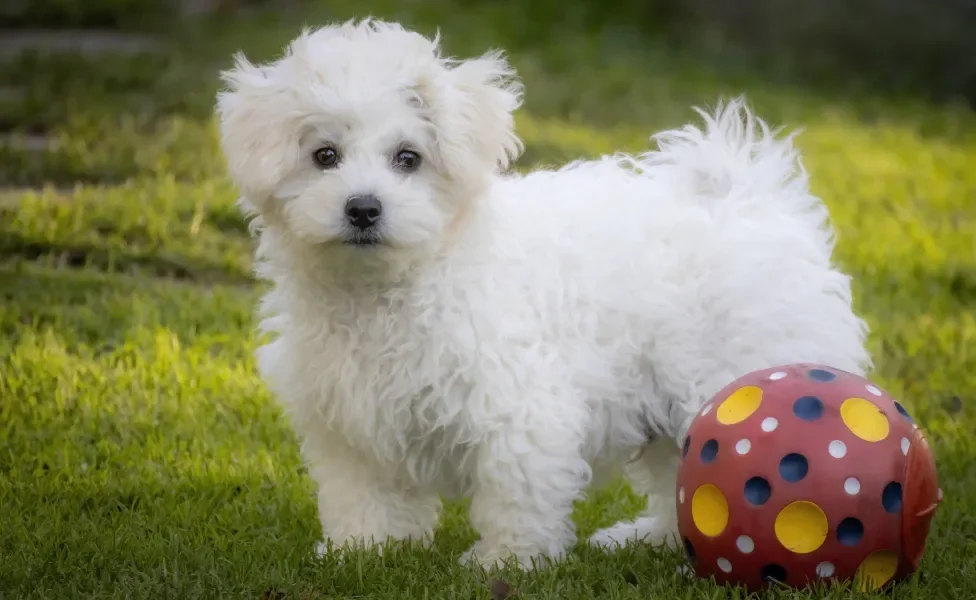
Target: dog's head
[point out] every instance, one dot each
(363, 136)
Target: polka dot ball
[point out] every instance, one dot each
(804, 473)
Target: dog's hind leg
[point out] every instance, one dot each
(652, 474)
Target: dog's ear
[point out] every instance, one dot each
(256, 132)
(473, 115)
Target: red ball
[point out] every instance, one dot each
(802, 473)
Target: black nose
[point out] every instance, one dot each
(363, 211)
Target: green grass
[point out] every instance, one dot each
(140, 455)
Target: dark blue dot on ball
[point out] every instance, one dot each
(808, 408)
(689, 550)
(821, 375)
(903, 412)
(891, 497)
(773, 572)
(709, 451)
(684, 449)
(793, 467)
(850, 531)
(757, 491)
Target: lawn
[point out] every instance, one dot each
(140, 455)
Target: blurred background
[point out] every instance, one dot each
(132, 64)
(923, 46)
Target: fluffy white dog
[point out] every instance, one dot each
(442, 329)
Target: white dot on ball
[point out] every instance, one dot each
(725, 565)
(825, 569)
(940, 494)
(769, 424)
(777, 376)
(745, 544)
(905, 445)
(873, 390)
(837, 449)
(852, 486)
(681, 495)
(743, 446)
(706, 410)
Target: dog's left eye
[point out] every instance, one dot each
(407, 160)
(326, 157)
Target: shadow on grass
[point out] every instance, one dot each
(135, 535)
(245, 534)
(89, 313)
(89, 256)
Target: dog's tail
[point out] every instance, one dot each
(734, 160)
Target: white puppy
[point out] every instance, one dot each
(445, 330)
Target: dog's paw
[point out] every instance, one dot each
(469, 558)
(644, 530)
(480, 555)
(338, 550)
(357, 545)
(489, 559)
(328, 549)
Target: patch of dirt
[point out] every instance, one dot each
(501, 590)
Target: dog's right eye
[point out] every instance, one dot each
(326, 157)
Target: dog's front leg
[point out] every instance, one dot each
(529, 471)
(361, 505)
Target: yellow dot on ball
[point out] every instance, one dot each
(864, 419)
(876, 570)
(710, 510)
(801, 527)
(739, 405)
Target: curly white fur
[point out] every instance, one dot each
(511, 338)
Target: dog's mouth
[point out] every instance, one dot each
(363, 239)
